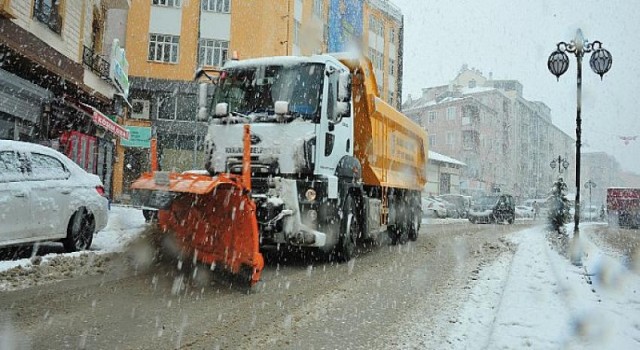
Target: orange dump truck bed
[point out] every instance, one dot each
(391, 147)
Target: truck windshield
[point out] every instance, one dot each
(252, 91)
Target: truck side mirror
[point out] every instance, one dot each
(281, 107)
(343, 109)
(203, 90)
(222, 109)
(344, 87)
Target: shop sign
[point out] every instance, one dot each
(139, 136)
(119, 72)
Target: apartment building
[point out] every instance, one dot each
(167, 40)
(506, 142)
(64, 78)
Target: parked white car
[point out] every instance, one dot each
(433, 208)
(45, 196)
(523, 211)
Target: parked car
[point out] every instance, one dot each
(523, 211)
(493, 209)
(462, 203)
(45, 196)
(590, 213)
(433, 208)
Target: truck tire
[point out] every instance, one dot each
(349, 228)
(414, 227)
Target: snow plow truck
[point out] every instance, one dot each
(301, 152)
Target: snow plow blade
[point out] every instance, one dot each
(213, 218)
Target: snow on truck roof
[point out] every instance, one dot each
(281, 60)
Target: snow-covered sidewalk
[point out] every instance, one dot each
(537, 299)
(125, 224)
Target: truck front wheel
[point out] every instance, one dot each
(349, 229)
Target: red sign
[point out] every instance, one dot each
(102, 120)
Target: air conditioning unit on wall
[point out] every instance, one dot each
(140, 109)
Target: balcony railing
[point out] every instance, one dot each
(95, 62)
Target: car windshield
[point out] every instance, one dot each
(253, 90)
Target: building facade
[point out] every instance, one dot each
(63, 79)
(443, 175)
(506, 142)
(167, 40)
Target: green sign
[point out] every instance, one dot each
(139, 136)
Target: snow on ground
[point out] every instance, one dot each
(125, 224)
(537, 299)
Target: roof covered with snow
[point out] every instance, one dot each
(435, 156)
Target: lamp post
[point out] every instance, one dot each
(590, 185)
(558, 64)
(561, 163)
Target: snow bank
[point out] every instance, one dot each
(537, 299)
(49, 262)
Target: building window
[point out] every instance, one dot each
(164, 48)
(432, 140)
(167, 3)
(432, 116)
(317, 8)
(213, 52)
(296, 33)
(221, 6)
(392, 35)
(392, 67)
(376, 26)
(470, 140)
(49, 12)
(450, 138)
(451, 113)
(176, 107)
(377, 59)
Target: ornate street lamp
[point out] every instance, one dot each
(558, 64)
(590, 185)
(560, 163)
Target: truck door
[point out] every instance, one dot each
(335, 133)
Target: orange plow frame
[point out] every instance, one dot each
(213, 218)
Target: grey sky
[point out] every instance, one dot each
(513, 40)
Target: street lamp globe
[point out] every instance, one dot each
(553, 164)
(601, 61)
(558, 63)
(565, 164)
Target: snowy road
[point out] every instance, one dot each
(459, 286)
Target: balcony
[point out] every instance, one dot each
(96, 63)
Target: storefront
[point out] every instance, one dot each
(21, 105)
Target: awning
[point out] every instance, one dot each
(102, 120)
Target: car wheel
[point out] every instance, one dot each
(79, 231)
(511, 219)
(472, 219)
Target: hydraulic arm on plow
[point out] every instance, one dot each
(213, 218)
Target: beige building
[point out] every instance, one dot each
(506, 141)
(63, 78)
